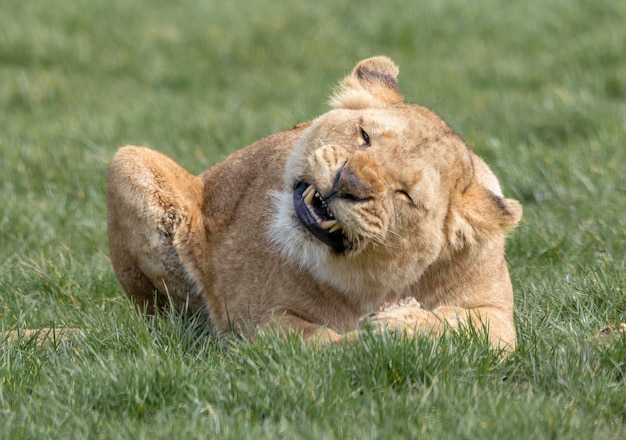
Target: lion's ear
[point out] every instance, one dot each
(478, 214)
(372, 83)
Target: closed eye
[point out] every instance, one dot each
(400, 194)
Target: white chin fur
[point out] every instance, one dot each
(293, 241)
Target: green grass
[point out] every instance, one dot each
(537, 88)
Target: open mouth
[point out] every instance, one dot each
(317, 217)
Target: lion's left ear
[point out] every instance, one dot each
(479, 214)
(372, 83)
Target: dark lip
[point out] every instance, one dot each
(334, 240)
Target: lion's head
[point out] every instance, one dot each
(377, 189)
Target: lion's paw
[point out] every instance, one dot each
(397, 318)
(404, 302)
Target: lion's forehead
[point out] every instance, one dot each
(405, 115)
(407, 127)
(403, 137)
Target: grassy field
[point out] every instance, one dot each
(537, 88)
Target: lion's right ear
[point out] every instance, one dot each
(372, 83)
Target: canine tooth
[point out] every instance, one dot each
(328, 224)
(317, 195)
(308, 199)
(308, 191)
(335, 228)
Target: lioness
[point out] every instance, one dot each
(312, 228)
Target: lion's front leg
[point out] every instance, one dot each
(289, 322)
(413, 319)
(154, 205)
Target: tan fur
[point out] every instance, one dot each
(422, 216)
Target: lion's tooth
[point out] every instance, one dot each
(327, 224)
(308, 190)
(335, 228)
(310, 193)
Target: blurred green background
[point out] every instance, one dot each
(538, 88)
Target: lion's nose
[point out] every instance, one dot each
(358, 179)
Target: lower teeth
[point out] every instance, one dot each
(334, 228)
